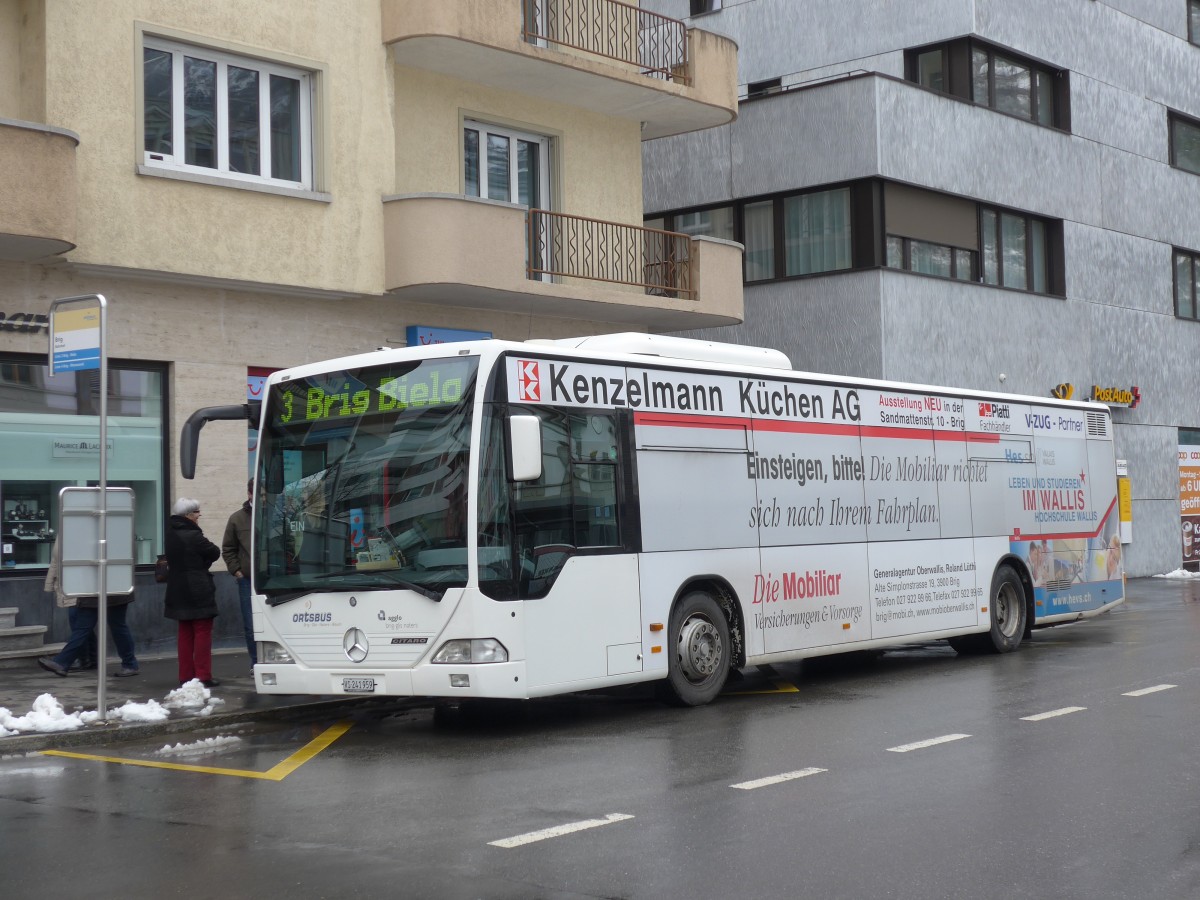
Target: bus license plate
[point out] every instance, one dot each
(358, 685)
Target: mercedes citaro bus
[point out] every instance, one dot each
(514, 520)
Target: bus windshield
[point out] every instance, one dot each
(362, 477)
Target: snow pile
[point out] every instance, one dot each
(193, 696)
(198, 748)
(47, 715)
(1180, 573)
(150, 711)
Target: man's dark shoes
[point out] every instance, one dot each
(125, 672)
(51, 666)
(212, 682)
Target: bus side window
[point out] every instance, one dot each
(594, 475)
(574, 504)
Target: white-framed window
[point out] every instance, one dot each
(505, 164)
(215, 113)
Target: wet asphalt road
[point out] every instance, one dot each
(916, 774)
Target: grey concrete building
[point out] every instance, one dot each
(992, 194)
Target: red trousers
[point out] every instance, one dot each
(195, 649)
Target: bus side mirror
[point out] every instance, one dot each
(525, 448)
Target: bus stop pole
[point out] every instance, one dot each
(72, 363)
(102, 555)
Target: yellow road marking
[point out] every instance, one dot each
(275, 773)
(780, 687)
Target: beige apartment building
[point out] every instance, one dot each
(254, 185)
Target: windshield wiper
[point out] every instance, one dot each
(371, 582)
(285, 597)
(413, 586)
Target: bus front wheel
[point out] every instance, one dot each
(699, 647)
(1008, 613)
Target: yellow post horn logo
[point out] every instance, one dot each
(1064, 391)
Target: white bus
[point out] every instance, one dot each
(515, 520)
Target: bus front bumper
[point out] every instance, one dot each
(502, 680)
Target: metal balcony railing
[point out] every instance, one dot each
(559, 245)
(658, 46)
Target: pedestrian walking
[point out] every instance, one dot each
(235, 551)
(191, 597)
(83, 623)
(87, 653)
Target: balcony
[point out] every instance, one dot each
(37, 190)
(606, 56)
(482, 254)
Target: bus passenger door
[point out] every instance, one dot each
(578, 577)
(699, 514)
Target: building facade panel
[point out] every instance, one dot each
(1148, 198)
(695, 170)
(938, 331)
(1121, 270)
(993, 158)
(834, 328)
(1165, 15)
(1116, 360)
(771, 132)
(1118, 118)
(1111, 42)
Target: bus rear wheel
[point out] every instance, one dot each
(1008, 612)
(699, 646)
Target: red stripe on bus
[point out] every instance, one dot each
(675, 420)
(672, 420)
(806, 427)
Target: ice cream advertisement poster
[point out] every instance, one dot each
(1189, 502)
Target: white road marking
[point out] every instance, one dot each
(921, 745)
(558, 831)
(1066, 710)
(1150, 690)
(776, 779)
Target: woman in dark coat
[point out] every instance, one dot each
(191, 597)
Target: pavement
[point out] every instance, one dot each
(20, 687)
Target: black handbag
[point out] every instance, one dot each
(161, 569)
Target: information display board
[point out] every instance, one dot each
(80, 536)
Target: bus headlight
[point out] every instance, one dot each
(270, 652)
(479, 650)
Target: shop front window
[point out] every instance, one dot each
(51, 438)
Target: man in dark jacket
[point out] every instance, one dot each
(235, 551)
(191, 597)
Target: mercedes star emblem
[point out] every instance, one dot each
(355, 645)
